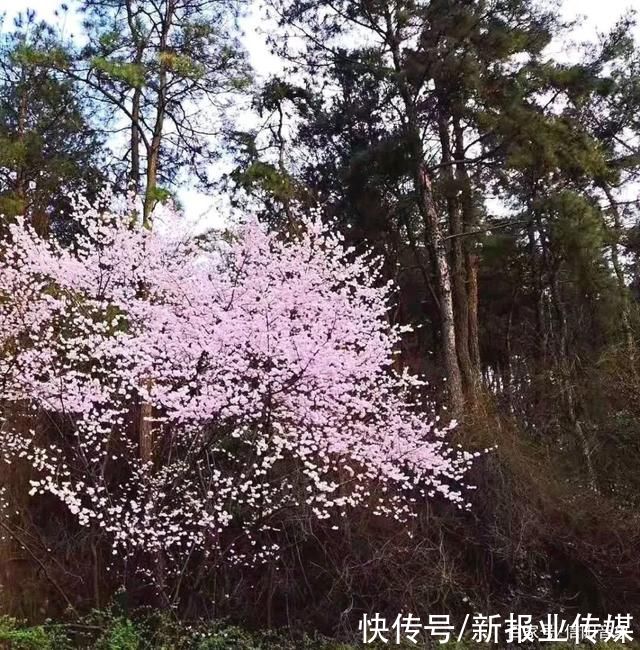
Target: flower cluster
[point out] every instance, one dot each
(191, 392)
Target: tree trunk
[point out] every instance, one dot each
(21, 181)
(433, 238)
(625, 306)
(458, 271)
(134, 174)
(153, 159)
(145, 432)
(538, 283)
(136, 100)
(471, 260)
(435, 241)
(472, 297)
(568, 390)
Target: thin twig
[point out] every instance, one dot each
(40, 563)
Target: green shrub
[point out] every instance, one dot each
(17, 636)
(152, 630)
(122, 634)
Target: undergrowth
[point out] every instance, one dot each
(112, 630)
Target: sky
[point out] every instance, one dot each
(595, 16)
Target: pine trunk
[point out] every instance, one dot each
(435, 241)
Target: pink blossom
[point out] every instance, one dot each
(267, 363)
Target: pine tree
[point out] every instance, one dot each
(164, 70)
(48, 149)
